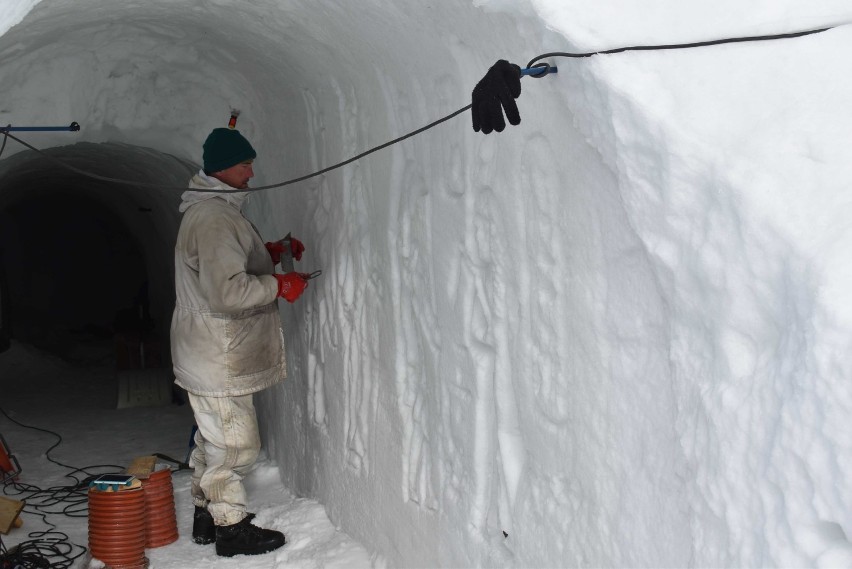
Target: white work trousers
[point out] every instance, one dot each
(227, 444)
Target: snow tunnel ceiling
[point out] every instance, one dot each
(162, 73)
(148, 80)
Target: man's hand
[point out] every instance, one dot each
(291, 285)
(296, 248)
(275, 249)
(500, 86)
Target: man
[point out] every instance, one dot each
(226, 339)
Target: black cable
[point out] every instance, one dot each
(532, 63)
(50, 548)
(74, 469)
(5, 139)
(257, 189)
(69, 500)
(46, 550)
(534, 60)
(179, 464)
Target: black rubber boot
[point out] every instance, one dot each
(203, 528)
(243, 538)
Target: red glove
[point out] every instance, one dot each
(291, 286)
(296, 248)
(275, 249)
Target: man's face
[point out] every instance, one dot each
(237, 176)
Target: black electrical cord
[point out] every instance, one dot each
(533, 63)
(536, 59)
(50, 548)
(74, 469)
(46, 550)
(69, 500)
(5, 139)
(257, 189)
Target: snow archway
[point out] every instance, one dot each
(78, 251)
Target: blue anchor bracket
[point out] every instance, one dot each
(539, 71)
(73, 127)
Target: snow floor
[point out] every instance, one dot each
(77, 401)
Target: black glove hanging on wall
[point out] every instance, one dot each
(500, 86)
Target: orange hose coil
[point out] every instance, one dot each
(161, 520)
(117, 527)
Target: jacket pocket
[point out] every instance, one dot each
(252, 343)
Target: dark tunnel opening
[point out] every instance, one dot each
(74, 271)
(86, 266)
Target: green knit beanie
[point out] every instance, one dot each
(224, 148)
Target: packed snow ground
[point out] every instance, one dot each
(78, 402)
(616, 335)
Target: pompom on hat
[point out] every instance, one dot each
(224, 148)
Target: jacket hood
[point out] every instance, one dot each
(201, 182)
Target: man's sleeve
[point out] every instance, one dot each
(222, 258)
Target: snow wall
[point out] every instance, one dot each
(617, 335)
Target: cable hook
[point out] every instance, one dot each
(539, 70)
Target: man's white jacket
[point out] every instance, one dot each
(226, 335)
